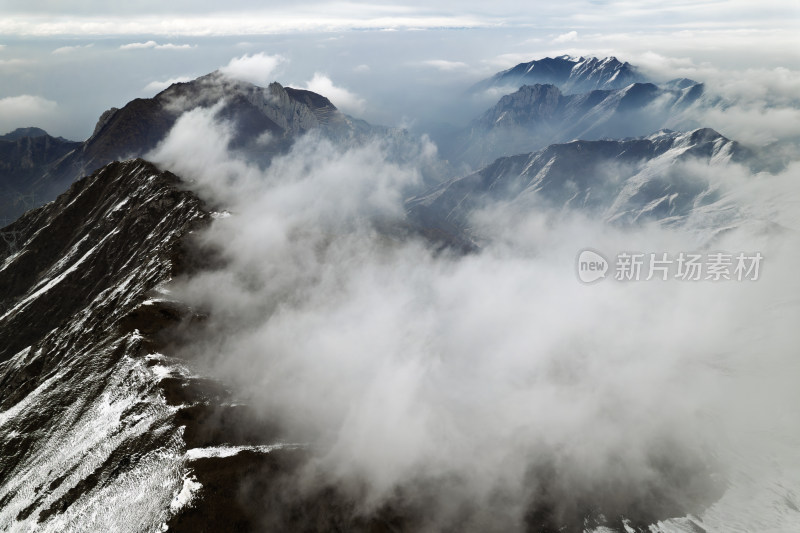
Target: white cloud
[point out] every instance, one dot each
(445, 65)
(154, 45)
(342, 98)
(26, 110)
(242, 18)
(409, 369)
(171, 46)
(566, 37)
(13, 62)
(158, 86)
(361, 68)
(241, 23)
(69, 49)
(26, 103)
(137, 46)
(257, 68)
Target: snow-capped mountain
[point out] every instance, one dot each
(618, 181)
(99, 429)
(570, 74)
(85, 429)
(537, 115)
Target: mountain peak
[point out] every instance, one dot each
(570, 74)
(282, 113)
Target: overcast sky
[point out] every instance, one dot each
(63, 63)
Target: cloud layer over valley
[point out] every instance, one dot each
(478, 388)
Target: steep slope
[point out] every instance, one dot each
(538, 115)
(87, 441)
(99, 430)
(571, 75)
(621, 181)
(26, 154)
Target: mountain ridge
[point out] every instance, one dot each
(570, 74)
(574, 174)
(538, 115)
(137, 127)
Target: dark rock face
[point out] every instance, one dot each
(90, 240)
(142, 123)
(82, 419)
(103, 120)
(538, 115)
(137, 128)
(571, 75)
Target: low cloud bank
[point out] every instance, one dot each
(479, 387)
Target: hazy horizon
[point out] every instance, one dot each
(395, 65)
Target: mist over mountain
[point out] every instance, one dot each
(537, 115)
(654, 177)
(267, 119)
(247, 311)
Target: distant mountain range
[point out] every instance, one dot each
(35, 171)
(625, 181)
(570, 74)
(537, 115)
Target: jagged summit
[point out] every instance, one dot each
(136, 128)
(570, 74)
